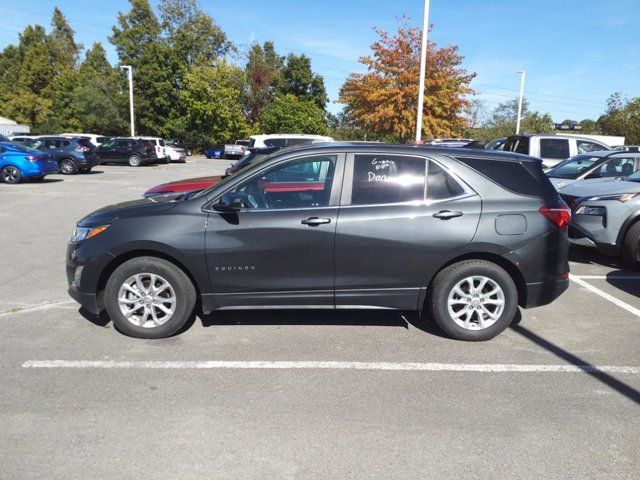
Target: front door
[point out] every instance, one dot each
(400, 217)
(279, 249)
(106, 151)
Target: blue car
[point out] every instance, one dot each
(19, 163)
(215, 152)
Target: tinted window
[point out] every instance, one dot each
(616, 167)
(380, 179)
(108, 144)
(554, 148)
(585, 146)
(303, 183)
(100, 140)
(64, 143)
(441, 185)
(573, 167)
(517, 144)
(86, 143)
(525, 178)
(161, 142)
(275, 142)
(122, 143)
(299, 141)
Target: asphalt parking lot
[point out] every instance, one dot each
(299, 394)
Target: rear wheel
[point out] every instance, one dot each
(473, 300)
(149, 297)
(135, 161)
(11, 174)
(630, 249)
(67, 167)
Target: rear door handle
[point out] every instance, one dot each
(447, 214)
(314, 221)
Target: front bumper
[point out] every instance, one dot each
(87, 300)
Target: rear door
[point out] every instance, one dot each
(400, 216)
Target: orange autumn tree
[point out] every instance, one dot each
(384, 99)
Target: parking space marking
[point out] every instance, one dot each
(608, 277)
(36, 308)
(313, 365)
(605, 295)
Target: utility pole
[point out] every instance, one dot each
(522, 75)
(130, 77)
(423, 69)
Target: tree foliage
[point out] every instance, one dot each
(290, 114)
(622, 118)
(502, 121)
(384, 99)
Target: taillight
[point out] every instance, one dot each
(559, 216)
(83, 149)
(34, 158)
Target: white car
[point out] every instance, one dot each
(160, 148)
(176, 154)
(97, 140)
(285, 140)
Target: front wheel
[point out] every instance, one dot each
(630, 248)
(148, 297)
(11, 174)
(135, 161)
(473, 300)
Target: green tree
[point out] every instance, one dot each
(211, 99)
(622, 118)
(502, 121)
(264, 76)
(291, 114)
(299, 80)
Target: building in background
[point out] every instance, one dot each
(10, 127)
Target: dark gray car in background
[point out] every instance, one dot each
(465, 235)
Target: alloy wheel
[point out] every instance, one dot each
(10, 175)
(147, 300)
(476, 302)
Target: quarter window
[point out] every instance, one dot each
(557, 148)
(381, 179)
(302, 183)
(441, 185)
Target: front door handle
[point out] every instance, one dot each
(315, 221)
(447, 214)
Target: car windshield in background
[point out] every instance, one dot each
(573, 167)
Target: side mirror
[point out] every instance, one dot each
(229, 202)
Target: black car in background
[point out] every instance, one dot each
(74, 155)
(466, 235)
(133, 151)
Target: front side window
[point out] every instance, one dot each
(573, 167)
(108, 144)
(382, 179)
(557, 148)
(585, 146)
(302, 183)
(616, 167)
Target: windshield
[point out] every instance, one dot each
(572, 168)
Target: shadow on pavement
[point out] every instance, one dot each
(630, 285)
(621, 387)
(590, 256)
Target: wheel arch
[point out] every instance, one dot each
(501, 261)
(626, 225)
(126, 256)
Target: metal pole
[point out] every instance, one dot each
(130, 77)
(423, 68)
(522, 75)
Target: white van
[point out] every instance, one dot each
(285, 140)
(97, 140)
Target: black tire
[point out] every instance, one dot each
(185, 295)
(135, 161)
(630, 248)
(66, 166)
(449, 277)
(11, 175)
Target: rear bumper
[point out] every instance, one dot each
(539, 294)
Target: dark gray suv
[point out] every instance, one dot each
(465, 235)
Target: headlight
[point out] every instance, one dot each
(587, 210)
(621, 197)
(85, 233)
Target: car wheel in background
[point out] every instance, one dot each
(148, 297)
(473, 300)
(630, 250)
(135, 161)
(10, 174)
(66, 166)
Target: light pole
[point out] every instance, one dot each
(423, 68)
(130, 77)
(522, 75)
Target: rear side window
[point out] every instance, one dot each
(383, 179)
(441, 185)
(524, 178)
(517, 144)
(299, 141)
(86, 143)
(557, 148)
(275, 142)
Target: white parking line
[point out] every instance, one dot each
(608, 277)
(36, 308)
(311, 365)
(605, 295)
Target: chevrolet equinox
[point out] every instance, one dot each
(464, 235)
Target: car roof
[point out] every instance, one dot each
(553, 135)
(391, 148)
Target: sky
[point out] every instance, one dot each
(575, 52)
